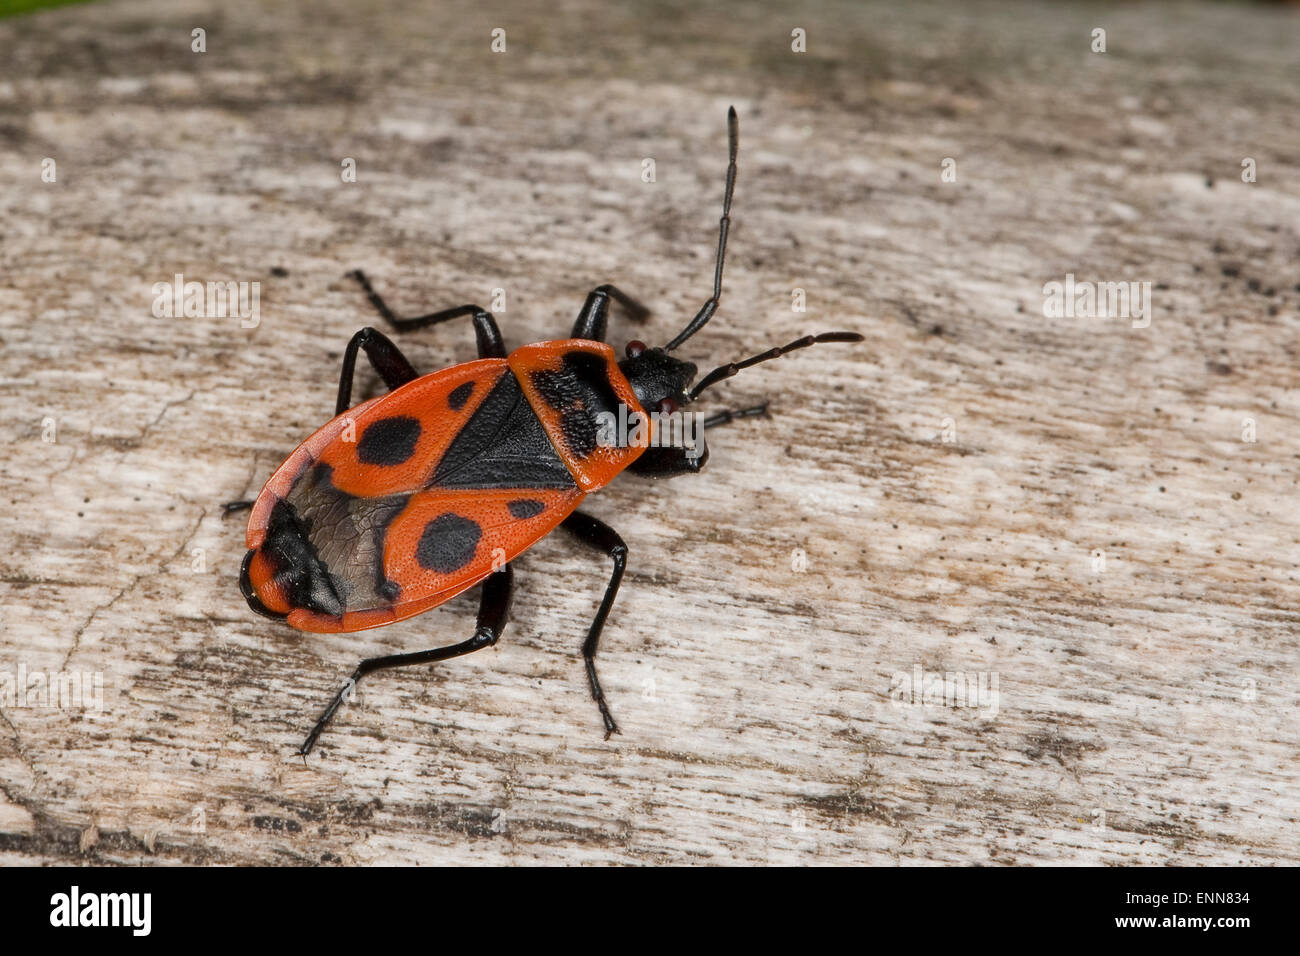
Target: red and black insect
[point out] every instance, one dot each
(406, 500)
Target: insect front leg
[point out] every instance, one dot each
(601, 536)
(493, 612)
(594, 316)
(667, 461)
(490, 343)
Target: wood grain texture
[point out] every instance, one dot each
(1147, 708)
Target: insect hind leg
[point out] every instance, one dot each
(493, 612)
(385, 358)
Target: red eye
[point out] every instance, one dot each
(635, 348)
(667, 406)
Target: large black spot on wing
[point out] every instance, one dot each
(459, 395)
(448, 543)
(389, 441)
(579, 390)
(524, 508)
(502, 445)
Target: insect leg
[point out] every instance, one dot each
(385, 358)
(667, 461)
(490, 343)
(601, 536)
(591, 321)
(493, 611)
(230, 507)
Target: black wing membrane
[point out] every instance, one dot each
(503, 445)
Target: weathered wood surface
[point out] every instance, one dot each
(1147, 709)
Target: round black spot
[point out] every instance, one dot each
(459, 395)
(389, 441)
(523, 508)
(448, 543)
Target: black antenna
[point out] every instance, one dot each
(706, 311)
(726, 371)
